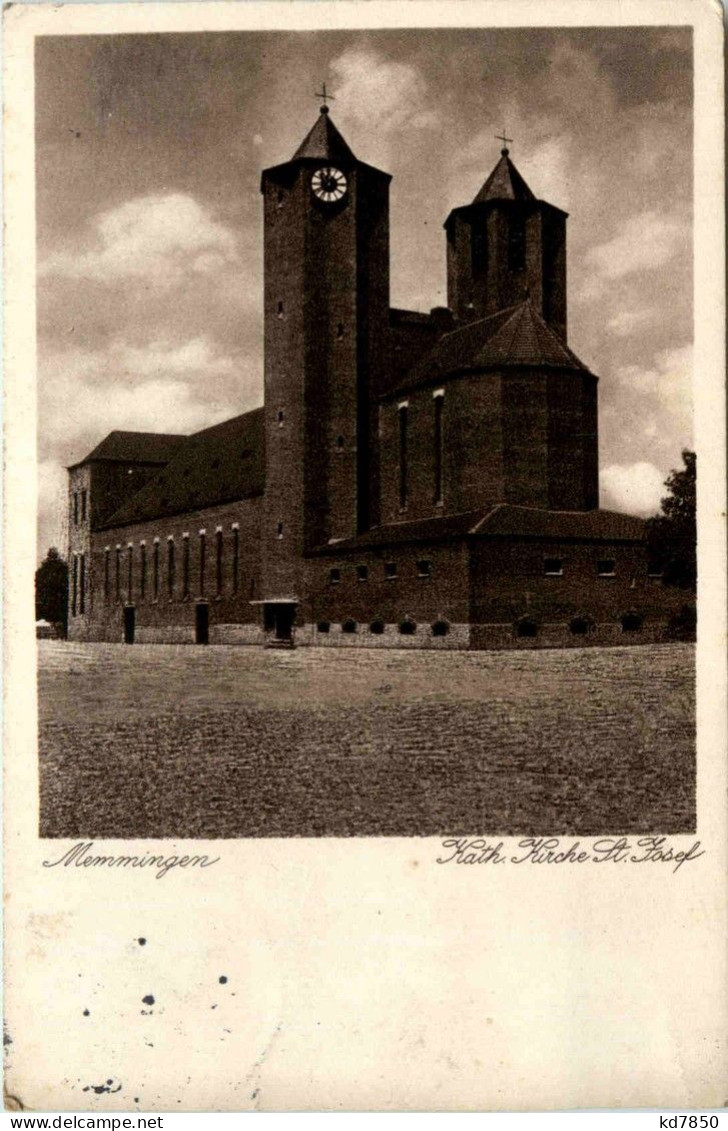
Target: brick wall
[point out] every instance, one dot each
(170, 617)
(472, 470)
(509, 582)
(443, 595)
(79, 551)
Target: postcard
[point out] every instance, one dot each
(365, 619)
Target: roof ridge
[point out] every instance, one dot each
(484, 518)
(517, 322)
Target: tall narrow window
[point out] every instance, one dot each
(439, 400)
(218, 562)
(185, 565)
(106, 573)
(82, 584)
(517, 243)
(203, 550)
(143, 570)
(83, 506)
(236, 558)
(171, 568)
(74, 586)
(75, 508)
(155, 570)
(402, 416)
(130, 574)
(117, 577)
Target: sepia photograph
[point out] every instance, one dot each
(364, 558)
(367, 476)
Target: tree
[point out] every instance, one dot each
(672, 535)
(51, 590)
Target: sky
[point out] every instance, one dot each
(149, 150)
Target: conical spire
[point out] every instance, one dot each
(504, 183)
(324, 142)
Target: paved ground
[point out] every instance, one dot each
(164, 741)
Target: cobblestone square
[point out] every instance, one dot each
(174, 741)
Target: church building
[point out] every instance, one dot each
(412, 480)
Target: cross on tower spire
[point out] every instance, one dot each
(501, 137)
(325, 97)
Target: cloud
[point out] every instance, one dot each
(157, 387)
(667, 383)
(625, 322)
(634, 488)
(378, 97)
(163, 238)
(644, 242)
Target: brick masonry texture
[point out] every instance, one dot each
(156, 741)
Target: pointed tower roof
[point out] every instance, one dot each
(324, 142)
(504, 183)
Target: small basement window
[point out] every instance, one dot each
(579, 626)
(362, 572)
(349, 626)
(390, 569)
(334, 576)
(408, 627)
(632, 622)
(377, 627)
(606, 567)
(527, 627)
(654, 569)
(440, 628)
(553, 567)
(323, 626)
(424, 569)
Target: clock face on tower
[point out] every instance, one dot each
(328, 184)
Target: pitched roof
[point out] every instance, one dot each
(324, 142)
(504, 183)
(507, 520)
(418, 530)
(135, 447)
(218, 465)
(516, 336)
(503, 520)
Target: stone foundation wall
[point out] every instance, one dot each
(489, 637)
(457, 637)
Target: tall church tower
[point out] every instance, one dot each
(504, 246)
(326, 249)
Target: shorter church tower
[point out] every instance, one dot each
(505, 246)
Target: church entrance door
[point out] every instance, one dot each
(129, 624)
(278, 618)
(284, 621)
(202, 623)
